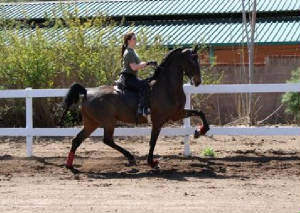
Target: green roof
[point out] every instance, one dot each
(119, 8)
(214, 22)
(186, 33)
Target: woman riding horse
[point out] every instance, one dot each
(104, 106)
(131, 63)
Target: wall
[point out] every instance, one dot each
(239, 54)
(226, 108)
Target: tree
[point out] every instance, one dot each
(250, 45)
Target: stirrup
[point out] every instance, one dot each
(146, 111)
(140, 111)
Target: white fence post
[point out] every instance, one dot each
(29, 124)
(187, 124)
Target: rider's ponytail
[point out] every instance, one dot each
(124, 46)
(127, 37)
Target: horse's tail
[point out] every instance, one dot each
(72, 97)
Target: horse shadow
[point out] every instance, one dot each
(200, 168)
(141, 170)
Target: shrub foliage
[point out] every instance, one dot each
(63, 51)
(292, 99)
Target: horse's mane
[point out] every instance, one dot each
(169, 55)
(165, 62)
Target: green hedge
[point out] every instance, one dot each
(40, 58)
(61, 52)
(292, 99)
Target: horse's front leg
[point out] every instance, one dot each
(205, 126)
(154, 135)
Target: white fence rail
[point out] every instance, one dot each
(186, 130)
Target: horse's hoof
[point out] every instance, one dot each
(157, 167)
(154, 164)
(197, 133)
(72, 169)
(202, 131)
(131, 163)
(69, 166)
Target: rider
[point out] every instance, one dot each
(131, 63)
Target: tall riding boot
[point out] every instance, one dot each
(146, 110)
(141, 103)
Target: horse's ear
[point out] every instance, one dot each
(196, 48)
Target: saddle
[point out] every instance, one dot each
(142, 95)
(121, 85)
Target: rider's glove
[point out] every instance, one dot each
(152, 63)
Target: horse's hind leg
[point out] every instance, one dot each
(83, 134)
(108, 140)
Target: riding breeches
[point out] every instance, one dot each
(141, 86)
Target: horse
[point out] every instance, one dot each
(103, 106)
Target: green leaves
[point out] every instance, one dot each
(26, 61)
(65, 50)
(292, 99)
(70, 49)
(55, 56)
(209, 152)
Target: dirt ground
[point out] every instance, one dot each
(247, 174)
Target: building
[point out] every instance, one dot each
(216, 23)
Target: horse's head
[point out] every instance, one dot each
(191, 65)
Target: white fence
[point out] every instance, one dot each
(186, 130)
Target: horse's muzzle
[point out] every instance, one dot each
(196, 82)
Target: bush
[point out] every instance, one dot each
(209, 152)
(54, 57)
(69, 51)
(292, 99)
(63, 51)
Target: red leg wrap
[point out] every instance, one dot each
(70, 159)
(203, 130)
(154, 163)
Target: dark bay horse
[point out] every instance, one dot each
(104, 106)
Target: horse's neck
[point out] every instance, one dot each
(172, 79)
